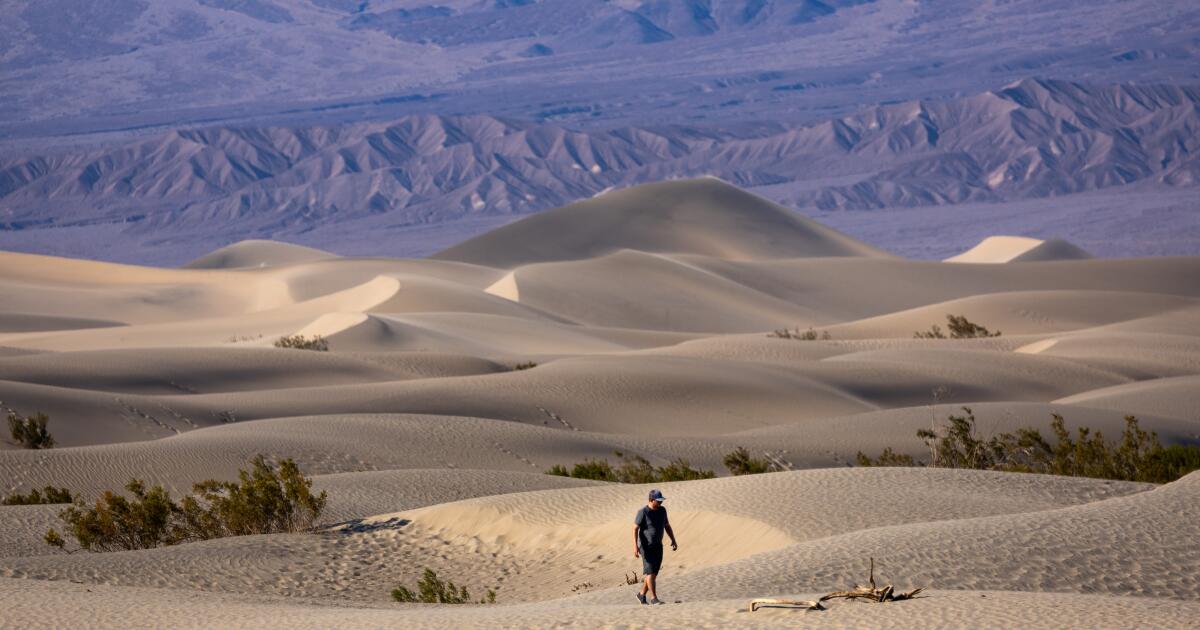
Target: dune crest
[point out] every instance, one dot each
(1006, 249)
(704, 216)
(257, 253)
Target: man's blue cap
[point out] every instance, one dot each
(655, 495)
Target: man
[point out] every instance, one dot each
(648, 527)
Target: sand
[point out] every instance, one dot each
(1006, 249)
(645, 321)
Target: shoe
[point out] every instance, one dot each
(655, 601)
(641, 598)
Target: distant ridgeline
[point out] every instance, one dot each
(183, 192)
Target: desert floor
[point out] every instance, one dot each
(647, 312)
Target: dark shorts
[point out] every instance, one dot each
(652, 559)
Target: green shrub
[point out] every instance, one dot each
(807, 335)
(49, 495)
(1138, 456)
(632, 469)
(739, 462)
(679, 469)
(431, 590)
(1170, 463)
(300, 342)
(887, 458)
(30, 431)
(116, 523)
(960, 328)
(635, 469)
(596, 469)
(264, 500)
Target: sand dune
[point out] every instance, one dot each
(1176, 397)
(255, 253)
(1021, 312)
(577, 532)
(148, 607)
(645, 321)
(671, 295)
(1005, 249)
(704, 216)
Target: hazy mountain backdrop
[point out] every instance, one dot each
(156, 131)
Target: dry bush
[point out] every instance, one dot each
(528, 365)
(30, 431)
(300, 342)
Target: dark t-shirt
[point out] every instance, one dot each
(651, 525)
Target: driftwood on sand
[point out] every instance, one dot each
(870, 593)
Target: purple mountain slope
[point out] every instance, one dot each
(1034, 139)
(157, 131)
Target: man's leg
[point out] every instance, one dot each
(651, 582)
(645, 584)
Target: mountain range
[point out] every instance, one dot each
(154, 132)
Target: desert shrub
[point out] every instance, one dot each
(300, 342)
(595, 469)
(740, 462)
(432, 590)
(49, 495)
(116, 522)
(264, 500)
(960, 328)
(528, 365)
(632, 469)
(635, 469)
(934, 332)
(887, 458)
(680, 469)
(30, 431)
(807, 335)
(1170, 463)
(1138, 456)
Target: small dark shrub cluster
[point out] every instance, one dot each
(807, 335)
(525, 366)
(1137, 456)
(632, 469)
(740, 462)
(48, 495)
(432, 590)
(30, 431)
(300, 342)
(266, 499)
(960, 328)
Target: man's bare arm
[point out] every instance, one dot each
(635, 540)
(671, 533)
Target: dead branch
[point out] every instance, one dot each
(806, 604)
(869, 593)
(872, 593)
